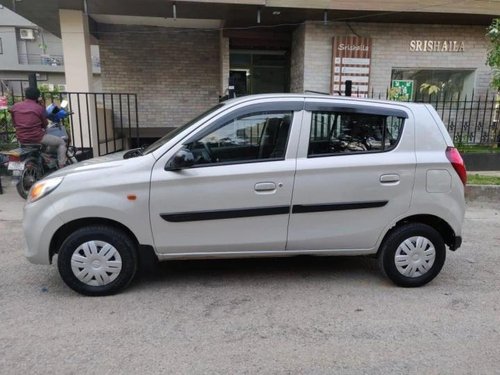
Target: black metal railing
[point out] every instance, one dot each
(100, 123)
(470, 119)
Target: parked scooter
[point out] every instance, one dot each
(30, 162)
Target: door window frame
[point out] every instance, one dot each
(323, 106)
(293, 106)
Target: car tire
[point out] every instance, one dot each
(97, 260)
(412, 255)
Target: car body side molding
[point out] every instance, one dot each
(225, 214)
(266, 211)
(308, 208)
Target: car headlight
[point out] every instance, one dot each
(42, 188)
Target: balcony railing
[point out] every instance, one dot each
(34, 59)
(50, 60)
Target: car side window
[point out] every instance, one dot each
(339, 132)
(252, 137)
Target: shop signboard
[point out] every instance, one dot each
(351, 61)
(402, 89)
(3, 102)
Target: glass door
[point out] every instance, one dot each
(259, 72)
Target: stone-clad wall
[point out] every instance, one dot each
(175, 72)
(297, 60)
(178, 73)
(391, 49)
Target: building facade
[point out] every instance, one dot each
(180, 57)
(25, 48)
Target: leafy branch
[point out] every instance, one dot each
(493, 58)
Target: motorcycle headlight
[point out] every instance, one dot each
(42, 188)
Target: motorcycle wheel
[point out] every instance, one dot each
(30, 175)
(70, 152)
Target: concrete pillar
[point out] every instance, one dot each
(78, 71)
(76, 49)
(224, 64)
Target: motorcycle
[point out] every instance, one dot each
(31, 162)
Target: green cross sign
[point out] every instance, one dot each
(404, 89)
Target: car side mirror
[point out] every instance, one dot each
(182, 159)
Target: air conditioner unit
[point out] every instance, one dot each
(26, 34)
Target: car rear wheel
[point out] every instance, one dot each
(412, 255)
(97, 260)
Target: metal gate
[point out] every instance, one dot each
(100, 124)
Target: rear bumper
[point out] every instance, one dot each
(457, 242)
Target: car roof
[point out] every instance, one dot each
(320, 97)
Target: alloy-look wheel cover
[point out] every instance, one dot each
(96, 263)
(415, 256)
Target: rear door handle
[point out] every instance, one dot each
(389, 178)
(265, 186)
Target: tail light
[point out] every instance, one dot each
(457, 162)
(14, 158)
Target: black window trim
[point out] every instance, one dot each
(354, 108)
(225, 163)
(292, 106)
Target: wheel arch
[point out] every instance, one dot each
(443, 228)
(63, 232)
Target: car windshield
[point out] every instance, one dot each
(167, 137)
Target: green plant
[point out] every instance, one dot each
(394, 93)
(7, 131)
(46, 89)
(493, 58)
(460, 141)
(477, 149)
(429, 88)
(477, 179)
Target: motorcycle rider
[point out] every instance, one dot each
(30, 120)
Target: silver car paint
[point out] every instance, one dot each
(99, 188)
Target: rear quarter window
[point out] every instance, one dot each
(342, 132)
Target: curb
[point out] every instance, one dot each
(482, 193)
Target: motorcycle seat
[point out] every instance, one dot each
(36, 146)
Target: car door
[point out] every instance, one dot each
(355, 174)
(237, 195)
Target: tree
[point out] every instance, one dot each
(493, 58)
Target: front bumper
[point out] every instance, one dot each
(40, 222)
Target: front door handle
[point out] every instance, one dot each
(265, 186)
(389, 178)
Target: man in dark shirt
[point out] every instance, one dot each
(30, 121)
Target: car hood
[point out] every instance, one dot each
(102, 162)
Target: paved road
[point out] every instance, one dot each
(279, 316)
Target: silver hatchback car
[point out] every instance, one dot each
(266, 175)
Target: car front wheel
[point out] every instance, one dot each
(412, 255)
(97, 260)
